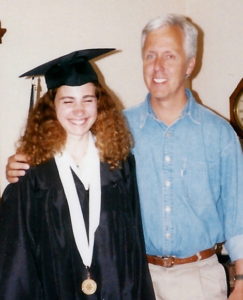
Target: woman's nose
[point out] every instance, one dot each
(78, 109)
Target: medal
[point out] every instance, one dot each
(88, 286)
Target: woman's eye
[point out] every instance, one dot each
(89, 100)
(66, 100)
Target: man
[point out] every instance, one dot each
(189, 169)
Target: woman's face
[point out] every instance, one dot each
(76, 108)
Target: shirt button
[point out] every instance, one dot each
(167, 158)
(167, 183)
(168, 209)
(167, 235)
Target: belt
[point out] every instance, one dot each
(169, 261)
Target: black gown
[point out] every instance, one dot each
(39, 259)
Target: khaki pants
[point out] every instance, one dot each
(202, 280)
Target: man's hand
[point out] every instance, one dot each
(237, 293)
(16, 167)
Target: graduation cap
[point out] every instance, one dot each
(73, 69)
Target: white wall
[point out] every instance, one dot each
(38, 31)
(222, 65)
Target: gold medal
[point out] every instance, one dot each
(88, 286)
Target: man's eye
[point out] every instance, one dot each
(170, 56)
(149, 56)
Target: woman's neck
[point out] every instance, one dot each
(77, 147)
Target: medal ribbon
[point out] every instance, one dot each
(90, 176)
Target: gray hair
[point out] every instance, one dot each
(189, 30)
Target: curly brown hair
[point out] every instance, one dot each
(44, 136)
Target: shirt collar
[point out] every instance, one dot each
(189, 110)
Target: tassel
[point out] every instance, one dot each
(32, 95)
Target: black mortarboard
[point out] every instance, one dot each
(72, 69)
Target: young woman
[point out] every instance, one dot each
(71, 229)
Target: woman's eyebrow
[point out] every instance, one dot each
(66, 97)
(89, 96)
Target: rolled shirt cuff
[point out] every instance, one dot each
(234, 247)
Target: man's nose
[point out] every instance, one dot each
(159, 63)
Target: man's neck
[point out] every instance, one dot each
(168, 110)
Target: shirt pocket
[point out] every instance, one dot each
(194, 180)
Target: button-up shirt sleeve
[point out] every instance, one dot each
(232, 195)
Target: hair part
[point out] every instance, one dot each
(189, 30)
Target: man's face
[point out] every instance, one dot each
(165, 64)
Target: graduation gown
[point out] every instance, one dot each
(39, 259)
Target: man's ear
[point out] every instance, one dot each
(190, 66)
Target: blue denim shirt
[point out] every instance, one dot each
(190, 178)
